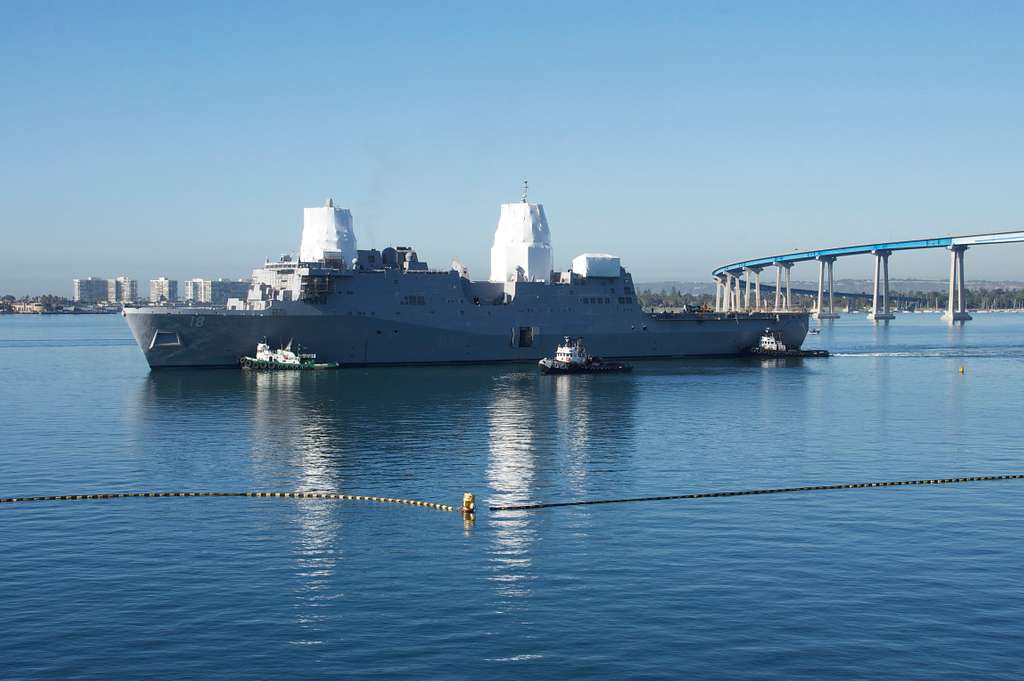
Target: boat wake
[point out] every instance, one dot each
(941, 353)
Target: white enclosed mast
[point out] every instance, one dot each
(522, 243)
(327, 235)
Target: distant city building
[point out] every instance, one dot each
(163, 290)
(222, 289)
(196, 291)
(214, 291)
(122, 290)
(89, 290)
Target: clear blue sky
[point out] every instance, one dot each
(185, 138)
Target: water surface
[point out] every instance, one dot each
(906, 582)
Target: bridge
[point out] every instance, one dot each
(730, 296)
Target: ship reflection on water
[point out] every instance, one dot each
(506, 433)
(432, 431)
(290, 424)
(278, 398)
(541, 434)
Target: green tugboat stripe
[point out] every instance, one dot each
(253, 363)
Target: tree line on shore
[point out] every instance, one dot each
(675, 298)
(47, 301)
(978, 299)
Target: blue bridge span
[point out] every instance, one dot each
(730, 297)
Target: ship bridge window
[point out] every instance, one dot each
(414, 300)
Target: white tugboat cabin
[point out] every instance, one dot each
(773, 345)
(572, 358)
(571, 351)
(283, 358)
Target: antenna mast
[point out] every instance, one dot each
(526, 186)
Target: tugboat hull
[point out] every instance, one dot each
(550, 366)
(789, 353)
(260, 364)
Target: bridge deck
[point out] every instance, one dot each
(940, 242)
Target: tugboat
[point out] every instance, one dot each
(283, 358)
(572, 358)
(772, 345)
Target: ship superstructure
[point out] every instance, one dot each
(372, 307)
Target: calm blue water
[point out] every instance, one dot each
(912, 583)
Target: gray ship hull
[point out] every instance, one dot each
(370, 307)
(219, 338)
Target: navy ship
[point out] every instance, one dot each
(387, 307)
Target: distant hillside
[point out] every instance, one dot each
(695, 288)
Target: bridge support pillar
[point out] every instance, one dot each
(757, 287)
(746, 295)
(782, 295)
(825, 266)
(722, 293)
(882, 313)
(957, 306)
(778, 286)
(788, 302)
(729, 297)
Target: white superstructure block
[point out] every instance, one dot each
(522, 241)
(327, 234)
(596, 265)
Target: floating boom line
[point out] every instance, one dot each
(770, 490)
